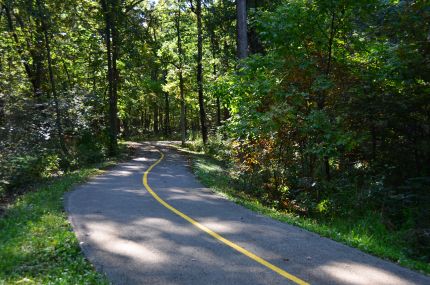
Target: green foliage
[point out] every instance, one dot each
(19, 170)
(331, 120)
(90, 149)
(22, 170)
(327, 118)
(365, 231)
(36, 241)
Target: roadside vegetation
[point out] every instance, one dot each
(318, 108)
(37, 244)
(362, 229)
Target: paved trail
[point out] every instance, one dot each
(133, 238)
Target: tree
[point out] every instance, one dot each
(202, 112)
(58, 123)
(328, 114)
(111, 12)
(242, 30)
(181, 75)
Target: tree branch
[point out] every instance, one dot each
(192, 7)
(131, 6)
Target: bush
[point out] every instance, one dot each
(16, 171)
(23, 166)
(86, 149)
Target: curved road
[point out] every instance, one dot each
(127, 233)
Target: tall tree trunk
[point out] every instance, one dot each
(147, 120)
(186, 123)
(2, 101)
(321, 103)
(226, 66)
(183, 118)
(37, 57)
(113, 102)
(181, 76)
(204, 130)
(242, 29)
(2, 112)
(107, 11)
(30, 74)
(214, 48)
(166, 114)
(58, 123)
(155, 118)
(160, 119)
(69, 81)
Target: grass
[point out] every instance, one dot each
(37, 244)
(365, 233)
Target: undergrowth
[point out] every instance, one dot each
(365, 232)
(37, 243)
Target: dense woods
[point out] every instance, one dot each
(320, 108)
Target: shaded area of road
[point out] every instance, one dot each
(128, 235)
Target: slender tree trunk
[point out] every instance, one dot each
(113, 101)
(2, 113)
(2, 100)
(226, 66)
(186, 123)
(107, 19)
(242, 29)
(166, 114)
(147, 120)
(15, 38)
(155, 119)
(218, 103)
(107, 11)
(214, 70)
(321, 102)
(181, 77)
(58, 123)
(160, 120)
(37, 58)
(204, 130)
(35, 83)
(93, 74)
(183, 107)
(66, 70)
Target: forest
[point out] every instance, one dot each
(319, 108)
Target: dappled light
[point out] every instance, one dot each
(126, 223)
(121, 173)
(106, 236)
(314, 113)
(360, 274)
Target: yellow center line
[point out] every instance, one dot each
(214, 234)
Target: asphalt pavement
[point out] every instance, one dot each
(134, 239)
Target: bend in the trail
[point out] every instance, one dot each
(134, 239)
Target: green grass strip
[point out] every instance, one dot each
(37, 244)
